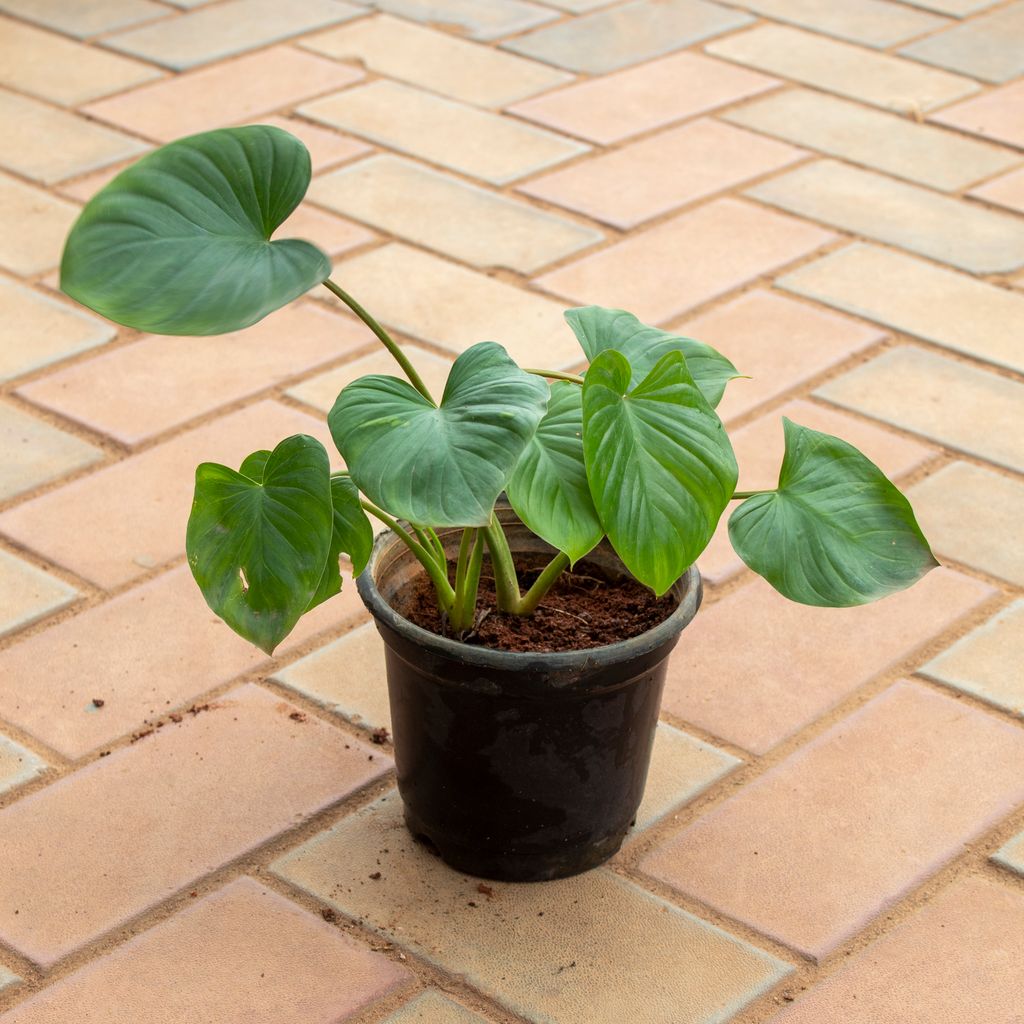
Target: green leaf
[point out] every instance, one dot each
(660, 465)
(353, 536)
(549, 489)
(253, 465)
(440, 466)
(179, 243)
(599, 329)
(836, 533)
(258, 550)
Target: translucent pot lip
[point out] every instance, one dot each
(389, 551)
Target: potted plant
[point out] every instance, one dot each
(522, 735)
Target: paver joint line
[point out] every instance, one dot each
(833, 194)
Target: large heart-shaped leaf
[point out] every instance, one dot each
(440, 466)
(660, 465)
(353, 536)
(258, 548)
(549, 489)
(836, 533)
(179, 243)
(599, 329)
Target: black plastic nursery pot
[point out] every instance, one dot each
(519, 766)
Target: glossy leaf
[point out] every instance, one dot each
(352, 536)
(179, 243)
(660, 465)
(836, 532)
(599, 329)
(549, 489)
(258, 550)
(440, 466)
(253, 465)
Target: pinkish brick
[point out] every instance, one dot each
(90, 852)
(755, 668)
(827, 840)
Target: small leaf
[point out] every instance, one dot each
(353, 536)
(440, 466)
(258, 550)
(549, 489)
(660, 465)
(599, 329)
(836, 533)
(179, 243)
(253, 465)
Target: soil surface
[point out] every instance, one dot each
(584, 609)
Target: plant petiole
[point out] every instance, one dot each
(506, 582)
(572, 378)
(738, 495)
(544, 582)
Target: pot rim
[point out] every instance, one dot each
(688, 588)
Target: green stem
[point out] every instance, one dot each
(445, 593)
(467, 580)
(556, 375)
(543, 583)
(435, 543)
(506, 582)
(389, 343)
(738, 495)
(428, 545)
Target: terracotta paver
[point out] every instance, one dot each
(661, 173)
(737, 242)
(642, 98)
(505, 945)
(158, 382)
(923, 774)
(953, 958)
(831, 194)
(244, 950)
(175, 790)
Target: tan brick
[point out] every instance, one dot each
(17, 766)
(645, 274)
(438, 302)
(957, 8)
(245, 88)
(640, 99)
(322, 390)
(940, 398)
(142, 389)
(943, 228)
(476, 142)
(36, 453)
(35, 225)
(437, 61)
(755, 668)
(682, 767)
(662, 173)
(759, 449)
(144, 653)
(986, 662)
(504, 945)
(973, 515)
(959, 954)
(36, 330)
(251, 954)
(477, 19)
(326, 146)
(1006, 191)
(996, 115)
(869, 22)
(877, 78)
(28, 594)
(779, 344)
(346, 676)
(887, 142)
(78, 19)
(432, 1007)
(134, 512)
(449, 215)
(209, 34)
(815, 849)
(918, 298)
(334, 235)
(58, 69)
(193, 797)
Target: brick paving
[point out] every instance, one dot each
(834, 823)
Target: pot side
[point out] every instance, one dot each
(519, 766)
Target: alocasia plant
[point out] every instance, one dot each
(181, 243)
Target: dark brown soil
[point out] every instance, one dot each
(584, 609)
